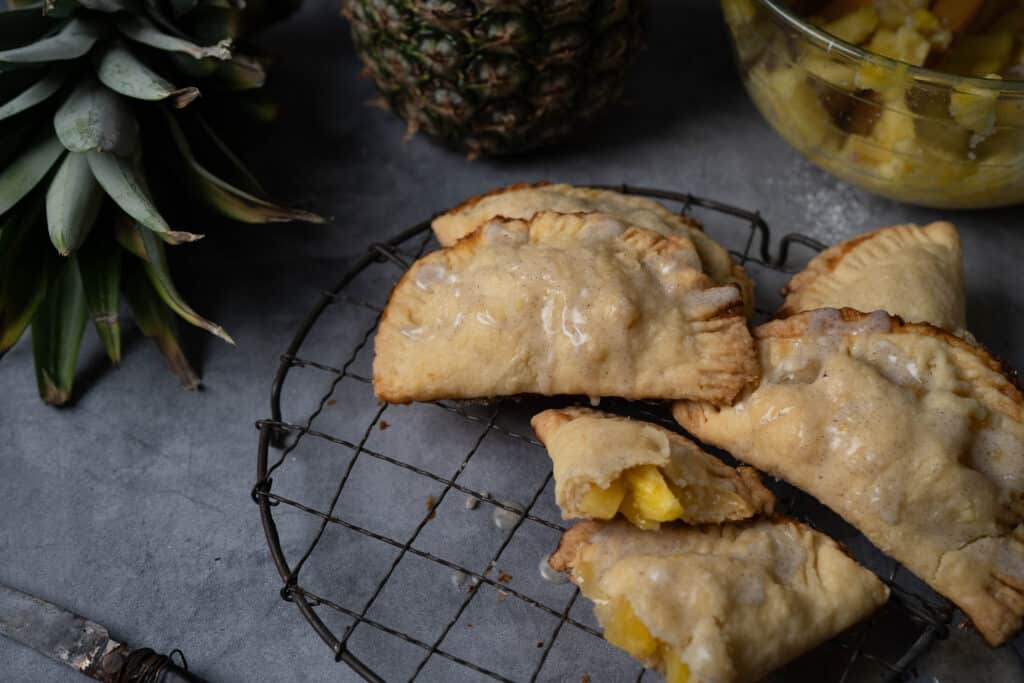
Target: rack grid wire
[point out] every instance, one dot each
(883, 649)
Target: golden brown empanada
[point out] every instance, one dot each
(522, 200)
(562, 304)
(605, 464)
(910, 271)
(717, 604)
(911, 434)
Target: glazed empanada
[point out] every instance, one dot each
(911, 434)
(562, 304)
(605, 464)
(523, 200)
(910, 271)
(719, 604)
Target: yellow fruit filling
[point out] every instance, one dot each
(640, 493)
(623, 629)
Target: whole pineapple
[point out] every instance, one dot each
(99, 120)
(496, 76)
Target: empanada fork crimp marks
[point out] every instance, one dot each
(717, 604)
(563, 304)
(911, 434)
(911, 271)
(523, 200)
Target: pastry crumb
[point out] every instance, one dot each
(585, 678)
(384, 425)
(431, 507)
(540, 644)
(331, 401)
(504, 577)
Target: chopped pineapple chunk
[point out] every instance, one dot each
(904, 44)
(651, 495)
(676, 670)
(603, 503)
(624, 629)
(855, 27)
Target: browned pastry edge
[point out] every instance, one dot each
(796, 326)
(827, 261)
(476, 199)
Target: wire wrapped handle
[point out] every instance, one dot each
(145, 665)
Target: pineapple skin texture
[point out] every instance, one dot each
(496, 76)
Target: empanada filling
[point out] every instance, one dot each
(623, 629)
(646, 497)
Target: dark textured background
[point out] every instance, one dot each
(133, 505)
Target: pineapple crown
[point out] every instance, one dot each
(83, 84)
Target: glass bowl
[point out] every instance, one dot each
(905, 132)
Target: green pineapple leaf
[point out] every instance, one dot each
(21, 26)
(57, 334)
(121, 180)
(93, 118)
(142, 30)
(228, 199)
(99, 262)
(109, 6)
(25, 172)
(24, 273)
(160, 275)
(122, 72)
(156, 321)
(39, 92)
(71, 42)
(73, 201)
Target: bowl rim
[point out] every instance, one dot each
(831, 43)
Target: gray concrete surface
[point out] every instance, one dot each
(133, 505)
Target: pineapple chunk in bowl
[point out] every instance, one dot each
(871, 116)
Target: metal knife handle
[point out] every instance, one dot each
(145, 665)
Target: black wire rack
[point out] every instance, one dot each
(393, 572)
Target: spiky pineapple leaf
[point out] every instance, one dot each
(57, 330)
(22, 26)
(35, 94)
(142, 30)
(73, 201)
(99, 262)
(24, 272)
(241, 72)
(109, 6)
(121, 180)
(25, 172)
(74, 40)
(241, 175)
(228, 199)
(93, 118)
(124, 73)
(160, 275)
(156, 321)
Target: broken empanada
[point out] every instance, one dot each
(562, 304)
(522, 200)
(605, 464)
(911, 434)
(718, 604)
(910, 271)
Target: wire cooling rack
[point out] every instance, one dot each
(413, 538)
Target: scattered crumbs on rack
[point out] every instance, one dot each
(472, 502)
(331, 401)
(504, 577)
(431, 507)
(540, 644)
(469, 625)
(585, 678)
(502, 595)
(384, 425)
(458, 579)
